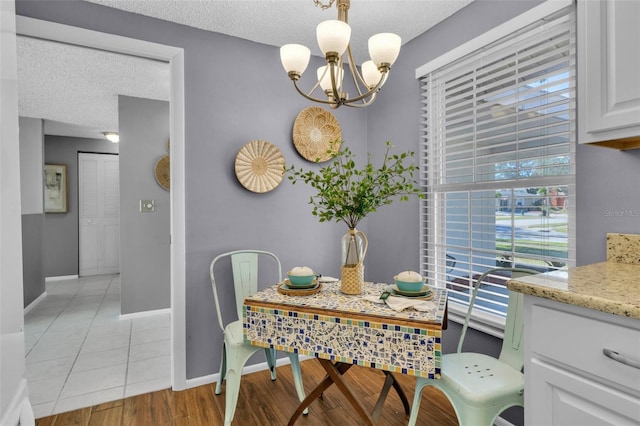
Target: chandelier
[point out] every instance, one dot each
(333, 39)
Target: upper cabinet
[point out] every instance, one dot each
(609, 73)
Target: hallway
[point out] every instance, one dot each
(79, 353)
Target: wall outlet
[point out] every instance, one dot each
(147, 206)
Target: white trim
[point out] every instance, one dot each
(247, 369)
(61, 278)
(175, 56)
(16, 409)
(527, 18)
(145, 314)
(492, 325)
(33, 304)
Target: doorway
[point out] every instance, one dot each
(99, 214)
(175, 57)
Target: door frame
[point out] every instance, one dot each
(175, 57)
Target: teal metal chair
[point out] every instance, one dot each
(480, 386)
(236, 351)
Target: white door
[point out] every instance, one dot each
(99, 211)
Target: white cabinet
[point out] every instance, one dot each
(609, 72)
(568, 378)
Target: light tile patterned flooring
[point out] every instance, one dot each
(80, 353)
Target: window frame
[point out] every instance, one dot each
(433, 232)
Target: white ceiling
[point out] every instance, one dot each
(75, 89)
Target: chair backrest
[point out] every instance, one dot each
(244, 266)
(512, 343)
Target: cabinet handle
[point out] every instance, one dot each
(617, 357)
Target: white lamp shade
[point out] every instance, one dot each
(333, 36)
(295, 57)
(325, 77)
(370, 73)
(384, 48)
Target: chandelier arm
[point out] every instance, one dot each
(373, 90)
(313, 89)
(355, 75)
(363, 104)
(334, 86)
(309, 97)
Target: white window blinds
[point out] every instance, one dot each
(497, 161)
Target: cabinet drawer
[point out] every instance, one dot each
(567, 399)
(579, 341)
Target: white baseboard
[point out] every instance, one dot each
(212, 378)
(61, 278)
(33, 304)
(145, 314)
(19, 408)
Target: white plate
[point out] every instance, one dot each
(328, 280)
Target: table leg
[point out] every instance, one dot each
(400, 392)
(317, 392)
(335, 374)
(389, 381)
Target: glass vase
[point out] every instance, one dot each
(354, 248)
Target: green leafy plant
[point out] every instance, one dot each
(346, 193)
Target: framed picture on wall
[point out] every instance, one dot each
(55, 188)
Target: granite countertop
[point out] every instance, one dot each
(607, 286)
(610, 286)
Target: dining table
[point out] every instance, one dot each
(342, 330)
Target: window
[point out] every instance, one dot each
(497, 163)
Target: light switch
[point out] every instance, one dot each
(147, 206)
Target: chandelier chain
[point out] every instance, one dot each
(323, 6)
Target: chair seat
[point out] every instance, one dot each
(480, 378)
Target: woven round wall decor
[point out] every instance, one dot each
(259, 166)
(162, 172)
(314, 130)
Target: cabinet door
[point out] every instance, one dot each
(608, 70)
(558, 397)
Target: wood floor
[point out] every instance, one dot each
(263, 402)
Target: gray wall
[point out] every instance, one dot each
(144, 237)
(31, 178)
(607, 198)
(248, 98)
(61, 229)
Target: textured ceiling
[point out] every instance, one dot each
(71, 85)
(294, 21)
(75, 89)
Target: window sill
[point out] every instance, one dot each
(481, 321)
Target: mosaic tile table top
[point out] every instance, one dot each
(347, 328)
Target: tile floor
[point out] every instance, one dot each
(80, 353)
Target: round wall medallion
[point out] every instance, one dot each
(314, 130)
(162, 172)
(259, 166)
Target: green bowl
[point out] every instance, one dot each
(410, 286)
(300, 280)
